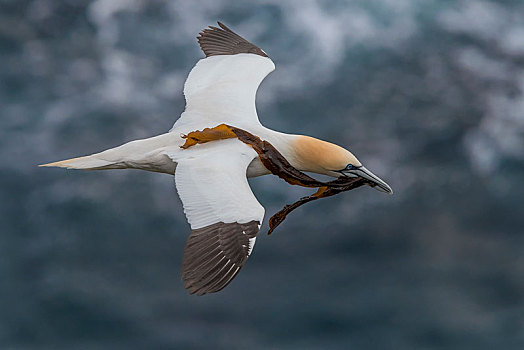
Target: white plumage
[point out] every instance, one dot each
(222, 89)
(212, 184)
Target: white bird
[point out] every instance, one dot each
(211, 178)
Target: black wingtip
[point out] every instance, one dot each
(222, 40)
(223, 26)
(214, 255)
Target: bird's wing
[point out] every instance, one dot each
(223, 213)
(221, 88)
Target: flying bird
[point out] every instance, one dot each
(211, 177)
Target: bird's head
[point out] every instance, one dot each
(326, 158)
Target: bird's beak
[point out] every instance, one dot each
(364, 173)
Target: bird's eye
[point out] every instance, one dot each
(350, 166)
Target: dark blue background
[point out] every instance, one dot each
(428, 94)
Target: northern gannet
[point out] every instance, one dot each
(211, 178)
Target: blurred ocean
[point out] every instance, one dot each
(429, 94)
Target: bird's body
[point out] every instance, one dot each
(211, 178)
(159, 153)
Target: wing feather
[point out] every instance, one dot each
(222, 87)
(223, 41)
(223, 213)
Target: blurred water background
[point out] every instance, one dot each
(428, 94)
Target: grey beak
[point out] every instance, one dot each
(377, 183)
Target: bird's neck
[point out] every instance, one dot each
(319, 156)
(310, 154)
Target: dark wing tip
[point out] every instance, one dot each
(223, 41)
(223, 26)
(214, 255)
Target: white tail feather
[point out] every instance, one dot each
(147, 154)
(86, 163)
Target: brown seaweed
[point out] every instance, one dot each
(323, 192)
(275, 162)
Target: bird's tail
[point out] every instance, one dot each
(145, 154)
(91, 162)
